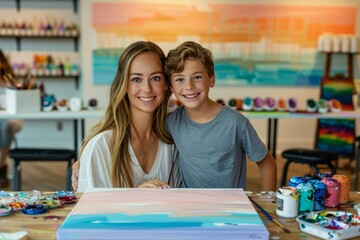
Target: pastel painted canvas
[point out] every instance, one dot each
(163, 214)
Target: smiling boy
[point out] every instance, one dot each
(213, 140)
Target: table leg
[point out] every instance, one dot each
(76, 136)
(272, 136)
(357, 168)
(275, 124)
(269, 130)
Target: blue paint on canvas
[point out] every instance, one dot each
(306, 70)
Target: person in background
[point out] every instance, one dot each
(130, 146)
(213, 140)
(8, 128)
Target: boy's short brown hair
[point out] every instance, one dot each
(189, 50)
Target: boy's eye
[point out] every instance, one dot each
(198, 77)
(179, 80)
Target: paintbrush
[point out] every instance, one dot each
(269, 216)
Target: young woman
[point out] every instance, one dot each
(8, 128)
(130, 146)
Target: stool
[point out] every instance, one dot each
(37, 154)
(310, 157)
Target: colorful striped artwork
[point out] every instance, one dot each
(252, 43)
(174, 214)
(337, 135)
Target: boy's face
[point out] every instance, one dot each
(146, 86)
(191, 86)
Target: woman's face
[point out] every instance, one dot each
(146, 83)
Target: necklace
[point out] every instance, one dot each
(142, 154)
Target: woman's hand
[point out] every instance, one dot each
(155, 183)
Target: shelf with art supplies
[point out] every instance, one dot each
(51, 103)
(39, 29)
(316, 202)
(282, 106)
(48, 66)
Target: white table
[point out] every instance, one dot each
(59, 115)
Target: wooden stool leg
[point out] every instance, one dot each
(16, 175)
(284, 173)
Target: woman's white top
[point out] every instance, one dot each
(95, 164)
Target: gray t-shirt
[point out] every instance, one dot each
(213, 154)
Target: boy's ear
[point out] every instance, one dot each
(212, 81)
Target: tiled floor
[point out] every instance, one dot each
(50, 176)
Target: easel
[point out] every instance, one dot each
(337, 135)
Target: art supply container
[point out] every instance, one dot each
(332, 192)
(287, 202)
(306, 198)
(320, 194)
(296, 180)
(322, 175)
(344, 182)
(309, 177)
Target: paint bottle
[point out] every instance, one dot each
(344, 182)
(332, 192)
(320, 194)
(322, 175)
(306, 198)
(296, 180)
(287, 202)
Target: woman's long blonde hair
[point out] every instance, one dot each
(118, 117)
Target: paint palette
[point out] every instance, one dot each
(330, 224)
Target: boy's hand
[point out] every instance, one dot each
(75, 175)
(154, 184)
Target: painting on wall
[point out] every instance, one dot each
(252, 44)
(140, 213)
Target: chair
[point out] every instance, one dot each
(37, 154)
(307, 156)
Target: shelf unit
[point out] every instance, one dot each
(23, 36)
(75, 5)
(43, 37)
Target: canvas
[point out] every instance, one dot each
(163, 214)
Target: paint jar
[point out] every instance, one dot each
(306, 198)
(344, 182)
(309, 177)
(320, 194)
(332, 192)
(322, 175)
(296, 180)
(287, 202)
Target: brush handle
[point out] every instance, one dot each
(269, 216)
(262, 210)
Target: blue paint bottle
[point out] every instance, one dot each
(296, 180)
(320, 194)
(306, 199)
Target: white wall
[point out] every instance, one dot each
(291, 133)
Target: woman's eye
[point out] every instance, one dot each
(136, 79)
(156, 78)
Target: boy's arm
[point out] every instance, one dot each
(268, 173)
